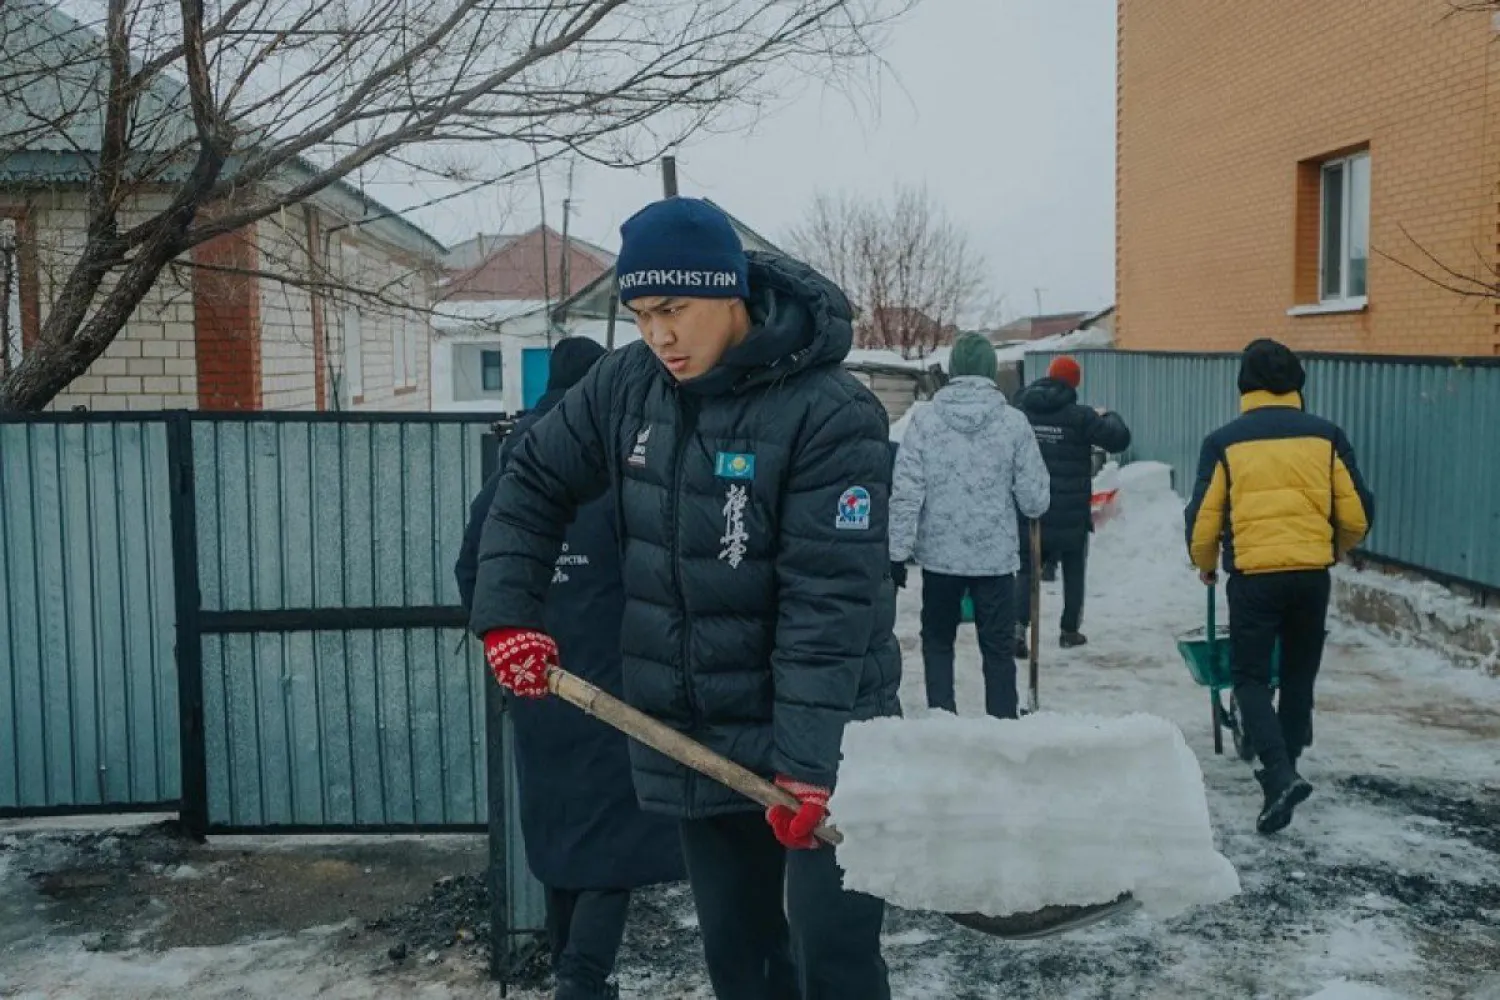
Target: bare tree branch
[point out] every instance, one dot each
(1484, 283)
(224, 113)
(907, 267)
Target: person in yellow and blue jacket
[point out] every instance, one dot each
(1280, 497)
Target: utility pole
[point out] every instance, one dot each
(546, 264)
(669, 176)
(1039, 292)
(567, 263)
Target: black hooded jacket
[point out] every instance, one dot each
(583, 827)
(752, 506)
(1067, 433)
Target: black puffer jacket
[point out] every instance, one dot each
(752, 505)
(1067, 434)
(582, 825)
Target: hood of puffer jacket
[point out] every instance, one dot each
(799, 320)
(969, 403)
(1047, 395)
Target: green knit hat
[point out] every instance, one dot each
(972, 355)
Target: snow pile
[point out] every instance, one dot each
(893, 359)
(979, 815)
(898, 429)
(1150, 480)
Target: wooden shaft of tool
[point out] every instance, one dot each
(664, 740)
(1033, 700)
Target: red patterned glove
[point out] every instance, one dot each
(519, 659)
(794, 828)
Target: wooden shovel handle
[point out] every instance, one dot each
(665, 740)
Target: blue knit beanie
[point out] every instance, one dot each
(681, 247)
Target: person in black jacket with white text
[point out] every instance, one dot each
(1068, 433)
(587, 839)
(752, 479)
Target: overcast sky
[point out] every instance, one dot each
(1004, 108)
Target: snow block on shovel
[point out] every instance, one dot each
(997, 818)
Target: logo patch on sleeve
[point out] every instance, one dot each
(854, 510)
(734, 465)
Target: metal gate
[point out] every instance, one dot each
(252, 618)
(88, 700)
(326, 646)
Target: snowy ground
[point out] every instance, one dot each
(1386, 886)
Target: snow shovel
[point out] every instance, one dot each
(1033, 702)
(1046, 922)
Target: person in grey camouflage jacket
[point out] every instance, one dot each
(966, 464)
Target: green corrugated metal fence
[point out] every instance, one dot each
(1426, 433)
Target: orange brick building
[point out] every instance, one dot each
(1279, 160)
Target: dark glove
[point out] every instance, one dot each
(898, 575)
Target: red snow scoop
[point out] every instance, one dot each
(1046, 922)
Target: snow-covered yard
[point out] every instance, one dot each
(1387, 885)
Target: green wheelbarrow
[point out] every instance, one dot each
(1206, 652)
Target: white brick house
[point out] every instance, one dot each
(252, 320)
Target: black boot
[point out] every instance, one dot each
(1072, 640)
(1283, 794)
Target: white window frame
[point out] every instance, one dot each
(1341, 298)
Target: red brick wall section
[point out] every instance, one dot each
(227, 310)
(1224, 110)
(26, 274)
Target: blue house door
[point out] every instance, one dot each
(536, 364)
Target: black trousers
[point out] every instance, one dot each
(777, 924)
(1074, 564)
(1292, 607)
(994, 620)
(584, 928)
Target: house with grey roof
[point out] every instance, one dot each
(323, 306)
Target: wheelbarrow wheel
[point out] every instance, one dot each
(1237, 731)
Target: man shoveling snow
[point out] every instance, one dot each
(753, 480)
(753, 477)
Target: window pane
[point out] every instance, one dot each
(490, 368)
(399, 338)
(1359, 222)
(354, 352)
(10, 296)
(1333, 231)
